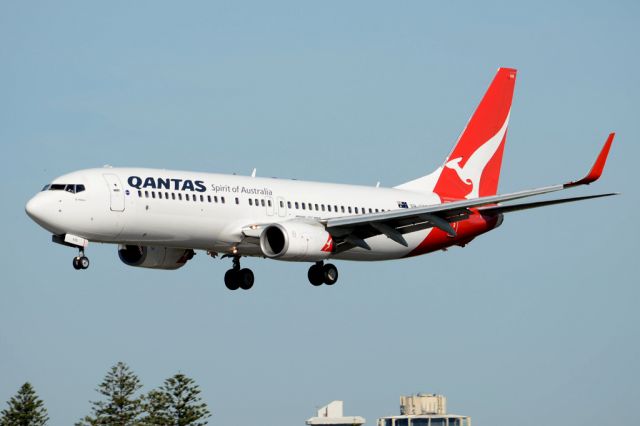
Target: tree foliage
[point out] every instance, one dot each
(25, 409)
(176, 403)
(121, 406)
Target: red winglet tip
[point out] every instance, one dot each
(596, 170)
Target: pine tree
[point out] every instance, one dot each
(25, 409)
(121, 406)
(176, 403)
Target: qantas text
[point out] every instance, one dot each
(167, 183)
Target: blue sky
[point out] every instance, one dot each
(538, 319)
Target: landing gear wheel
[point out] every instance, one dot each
(76, 263)
(330, 274)
(231, 279)
(236, 278)
(245, 278)
(316, 274)
(83, 262)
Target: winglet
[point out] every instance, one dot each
(596, 170)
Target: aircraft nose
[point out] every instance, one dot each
(46, 211)
(34, 208)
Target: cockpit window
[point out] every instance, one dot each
(74, 189)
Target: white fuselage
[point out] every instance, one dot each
(208, 211)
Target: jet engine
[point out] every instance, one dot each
(154, 257)
(297, 241)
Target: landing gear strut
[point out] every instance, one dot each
(80, 261)
(236, 278)
(322, 274)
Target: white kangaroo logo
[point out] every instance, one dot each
(473, 168)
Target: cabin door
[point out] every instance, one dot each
(116, 194)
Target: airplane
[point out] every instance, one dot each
(159, 218)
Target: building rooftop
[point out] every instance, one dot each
(332, 414)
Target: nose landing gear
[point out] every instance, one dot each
(322, 274)
(81, 261)
(236, 278)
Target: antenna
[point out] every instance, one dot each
(253, 173)
(378, 184)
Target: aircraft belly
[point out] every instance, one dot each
(170, 230)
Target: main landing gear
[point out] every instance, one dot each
(323, 274)
(236, 278)
(81, 261)
(242, 278)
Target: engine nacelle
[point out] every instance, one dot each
(154, 257)
(296, 241)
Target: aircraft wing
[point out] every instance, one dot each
(351, 231)
(525, 206)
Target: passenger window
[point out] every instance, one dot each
(356, 210)
(215, 198)
(173, 195)
(303, 206)
(269, 203)
(342, 209)
(201, 198)
(322, 206)
(262, 202)
(153, 194)
(222, 200)
(139, 194)
(209, 198)
(237, 200)
(317, 207)
(195, 198)
(186, 197)
(257, 203)
(297, 205)
(376, 210)
(250, 202)
(179, 196)
(281, 204)
(289, 204)
(370, 210)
